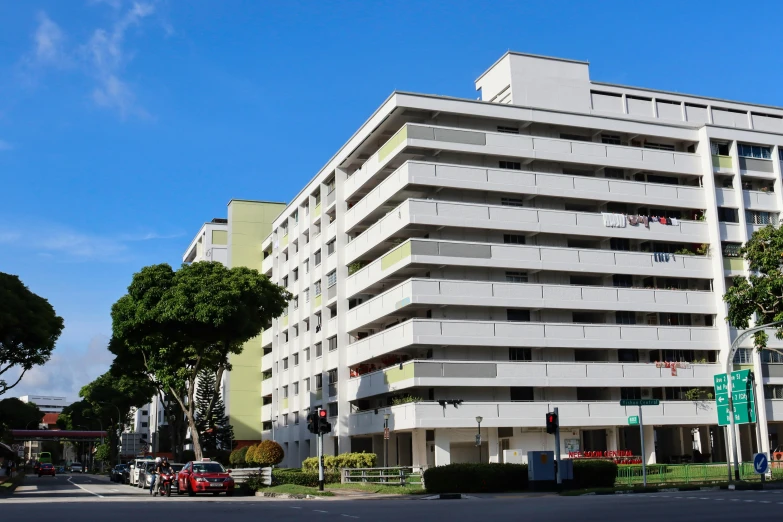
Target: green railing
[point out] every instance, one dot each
(687, 473)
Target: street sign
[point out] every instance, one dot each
(639, 402)
(386, 433)
(478, 440)
(742, 397)
(633, 420)
(760, 463)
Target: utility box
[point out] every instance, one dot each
(511, 456)
(540, 466)
(566, 469)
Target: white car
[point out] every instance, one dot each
(135, 467)
(76, 467)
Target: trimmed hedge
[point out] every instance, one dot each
(267, 453)
(594, 474)
(237, 457)
(476, 478)
(344, 460)
(302, 478)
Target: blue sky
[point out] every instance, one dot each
(125, 125)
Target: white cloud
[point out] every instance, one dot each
(4, 145)
(49, 42)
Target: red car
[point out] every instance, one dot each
(46, 469)
(204, 476)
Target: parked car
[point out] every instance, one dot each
(116, 474)
(204, 476)
(145, 474)
(46, 469)
(135, 469)
(75, 467)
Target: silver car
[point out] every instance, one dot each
(145, 474)
(76, 467)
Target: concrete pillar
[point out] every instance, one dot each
(419, 441)
(682, 438)
(649, 444)
(442, 447)
(494, 445)
(612, 435)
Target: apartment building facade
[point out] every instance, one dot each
(558, 243)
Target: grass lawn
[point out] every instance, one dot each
(293, 489)
(380, 488)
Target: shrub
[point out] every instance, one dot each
(594, 474)
(344, 460)
(268, 453)
(250, 455)
(237, 457)
(302, 478)
(476, 478)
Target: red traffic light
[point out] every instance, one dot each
(322, 414)
(551, 418)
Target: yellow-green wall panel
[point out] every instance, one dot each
(393, 375)
(395, 256)
(393, 143)
(220, 237)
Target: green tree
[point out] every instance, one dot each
(103, 453)
(759, 296)
(17, 415)
(214, 429)
(181, 323)
(29, 328)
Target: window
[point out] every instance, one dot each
(780, 153)
(317, 288)
(330, 247)
(295, 274)
(145, 412)
(295, 303)
(728, 215)
(513, 239)
(296, 418)
(331, 343)
(296, 389)
(508, 130)
(731, 249)
(307, 384)
(516, 277)
(285, 281)
(619, 243)
(622, 280)
(625, 317)
(285, 392)
(144, 424)
(331, 279)
(317, 257)
(285, 336)
(521, 393)
(319, 381)
(753, 151)
(519, 354)
(574, 137)
(296, 359)
(773, 391)
(614, 173)
(512, 202)
(755, 217)
(332, 375)
(318, 349)
(285, 363)
(307, 295)
(719, 149)
(285, 419)
(630, 393)
(307, 266)
(611, 139)
(307, 354)
(296, 331)
(517, 315)
(332, 409)
(658, 146)
(511, 165)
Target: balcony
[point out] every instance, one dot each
(266, 387)
(420, 253)
(284, 241)
(519, 146)
(425, 214)
(414, 174)
(424, 332)
(266, 337)
(758, 200)
(491, 374)
(734, 265)
(432, 415)
(722, 163)
(266, 412)
(266, 363)
(266, 264)
(756, 167)
(726, 197)
(730, 232)
(429, 293)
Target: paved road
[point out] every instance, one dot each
(88, 499)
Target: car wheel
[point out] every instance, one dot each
(215, 493)
(230, 493)
(191, 493)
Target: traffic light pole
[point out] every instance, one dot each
(641, 438)
(320, 462)
(558, 472)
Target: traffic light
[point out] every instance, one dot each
(551, 422)
(323, 424)
(312, 422)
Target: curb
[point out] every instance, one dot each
(285, 496)
(731, 487)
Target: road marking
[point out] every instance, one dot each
(749, 501)
(703, 498)
(84, 489)
(115, 490)
(764, 502)
(294, 507)
(349, 516)
(319, 511)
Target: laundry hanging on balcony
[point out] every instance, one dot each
(614, 220)
(662, 257)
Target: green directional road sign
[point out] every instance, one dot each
(742, 395)
(633, 420)
(639, 402)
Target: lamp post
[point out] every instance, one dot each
(478, 436)
(120, 427)
(385, 440)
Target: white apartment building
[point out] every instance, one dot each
(558, 243)
(46, 403)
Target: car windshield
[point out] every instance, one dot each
(208, 467)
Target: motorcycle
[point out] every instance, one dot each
(164, 484)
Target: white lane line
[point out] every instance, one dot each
(749, 501)
(319, 511)
(84, 489)
(294, 507)
(703, 498)
(349, 516)
(765, 502)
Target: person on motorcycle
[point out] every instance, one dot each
(155, 471)
(163, 469)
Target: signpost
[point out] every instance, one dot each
(760, 463)
(633, 420)
(741, 401)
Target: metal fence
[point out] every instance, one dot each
(241, 475)
(688, 473)
(399, 476)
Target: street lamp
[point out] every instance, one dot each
(120, 426)
(478, 436)
(385, 440)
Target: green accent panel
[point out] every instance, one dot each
(733, 263)
(393, 375)
(398, 254)
(393, 143)
(220, 237)
(284, 321)
(319, 394)
(317, 301)
(249, 222)
(284, 241)
(317, 211)
(284, 403)
(244, 396)
(721, 162)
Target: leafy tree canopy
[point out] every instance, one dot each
(18, 415)
(176, 324)
(759, 297)
(29, 328)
